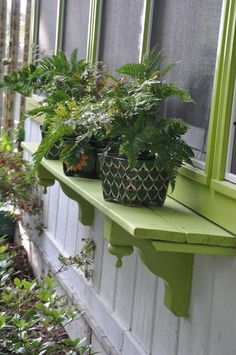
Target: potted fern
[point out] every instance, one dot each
(65, 85)
(147, 148)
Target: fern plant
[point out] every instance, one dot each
(65, 84)
(135, 124)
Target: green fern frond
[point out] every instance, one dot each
(20, 80)
(135, 70)
(153, 61)
(167, 90)
(73, 59)
(149, 67)
(166, 70)
(49, 140)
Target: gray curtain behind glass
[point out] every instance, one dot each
(233, 127)
(76, 26)
(121, 28)
(47, 27)
(188, 32)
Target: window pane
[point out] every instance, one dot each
(121, 27)
(231, 168)
(76, 26)
(47, 27)
(188, 32)
(233, 164)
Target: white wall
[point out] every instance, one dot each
(125, 306)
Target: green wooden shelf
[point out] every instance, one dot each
(166, 237)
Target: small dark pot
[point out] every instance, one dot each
(87, 167)
(54, 153)
(143, 185)
(7, 225)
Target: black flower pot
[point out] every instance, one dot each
(143, 185)
(87, 165)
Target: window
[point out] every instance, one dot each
(120, 32)
(47, 27)
(231, 159)
(188, 31)
(76, 26)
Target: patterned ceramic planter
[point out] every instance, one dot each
(143, 185)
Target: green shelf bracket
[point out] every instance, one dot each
(174, 268)
(86, 210)
(45, 178)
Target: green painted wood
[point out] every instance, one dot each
(175, 268)
(45, 178)
(224, 187)
(173, 222)
(95, 14)
(213, 205)
(146, 27)
(34, 29)
(59, 25)
(193, 248)
(220, 58)
(228, 72)
(86, 210)
(194, 174)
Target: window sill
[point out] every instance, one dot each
(166, 237)
(194, 173)
(224, 187)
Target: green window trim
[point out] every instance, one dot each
(146, 27)
(94, 30)
(33, 29)
(194, 174)
(59, 25)
(224, 187)
(225, 96)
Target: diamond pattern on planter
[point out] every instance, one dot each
(143, 185)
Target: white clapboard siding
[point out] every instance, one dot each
(84, 232)
(53, 209)
(97, 234)
(222, 333)
(144, 306)
(71, 229)
(36, 135)
(195, 330)
(32, 131)
(166, 327)
(62, 218)
(28, 135)
(108, 278)
(125, 289)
